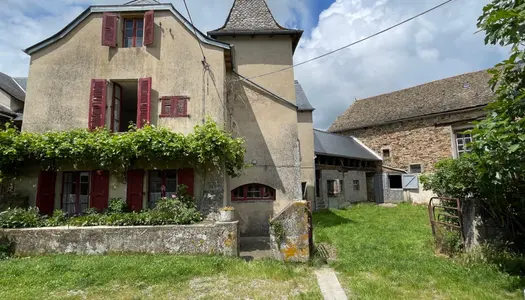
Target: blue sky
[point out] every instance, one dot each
(441, 44)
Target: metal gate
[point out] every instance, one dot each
(445, 212)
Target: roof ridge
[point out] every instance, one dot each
(422, 84)
(244, 8)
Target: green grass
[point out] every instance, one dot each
(152, 277)
(387, 253)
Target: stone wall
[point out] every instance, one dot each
(290, 233)
(421, 141)
(205, 238)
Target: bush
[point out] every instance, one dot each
(117, 205)
(21, 218)
(59, 218)
(448, 241)
(5, 248)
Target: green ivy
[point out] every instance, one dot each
(207, 148)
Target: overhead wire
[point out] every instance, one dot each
(195, 31)
(354, 43)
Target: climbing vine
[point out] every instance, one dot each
(207, 148)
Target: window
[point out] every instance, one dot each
(334, 187)
(386, 153)
(133, 32)
(395, 181)
(75, 192)
(161, 184)
(253, 192)
(303, 189)
(117, 107)
(174, 107)
(356, 185)
(415, 169)
(462, 139)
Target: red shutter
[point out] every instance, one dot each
(135, 189)
(97, 104)
(149, 28)
(45, 196)
(144, 102)
(99, 196)
(109, 29)
(187, 177)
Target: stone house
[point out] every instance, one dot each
(12, 97)
(143, 62)
(414, 128)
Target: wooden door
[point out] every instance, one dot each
(45, 197)
(135, 189)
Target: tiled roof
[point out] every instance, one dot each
(301, 100)
(330, 144)
(253, 17)
(10, 86)
(457, 93)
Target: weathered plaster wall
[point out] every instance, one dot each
(424, 141)
(306, 139)
(206, 238)
(348, 195)
(60, 75)
(289, 238)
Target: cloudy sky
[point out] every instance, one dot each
(440, 44)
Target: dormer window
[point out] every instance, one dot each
(133, 32)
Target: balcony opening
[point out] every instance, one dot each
(124, 105)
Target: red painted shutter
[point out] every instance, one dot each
(144, 102)
(97, 104)
(109, 29)
(99, 196)
(45, 196)
(187, 177)
(149, 28)
(135, 189)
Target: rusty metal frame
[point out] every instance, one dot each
(436, 219)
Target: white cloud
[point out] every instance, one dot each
(438, 45)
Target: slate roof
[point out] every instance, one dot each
(252, 17)
(330, 144)
(10, 86)
(456, 93)
(22, 81)
(301, 100)
(142, 2)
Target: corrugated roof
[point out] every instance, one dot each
(465, 91)
(326, 143)
(252, 17)
(301, 99)
(9, 85)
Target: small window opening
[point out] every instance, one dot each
(334, 188)
(415, 169)
(124, 108)
(356, 185)
(386, 153)
(303, 188)
(395, 181)
(133, 32)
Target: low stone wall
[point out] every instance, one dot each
(205, 238)
(290, 233)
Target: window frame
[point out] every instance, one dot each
(334, 194)
(163, 176)
(388, 150)
(420, 168)
(134, 33)
(390, 181)
(112, 125)
(76, 178)
(466, 149)
(262, 188)
(173, 102)
(356, 184)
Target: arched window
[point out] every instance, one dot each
(253, 191)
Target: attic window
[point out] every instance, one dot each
(466, 85)
(133, 32)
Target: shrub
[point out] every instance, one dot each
(59, 218)
(5, 248)
(21, 218)
(117, 205)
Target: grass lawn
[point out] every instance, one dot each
(387, 253)
(153, 277)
